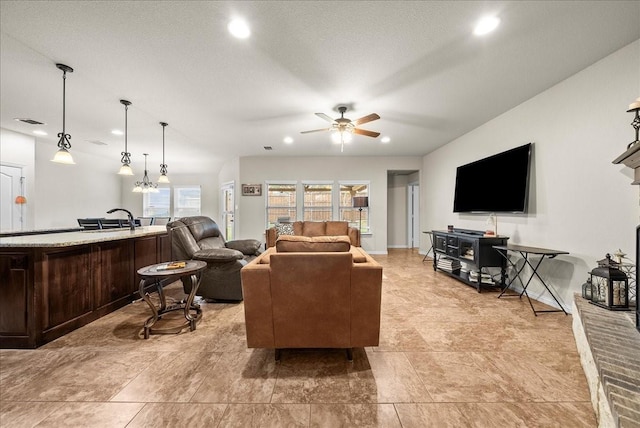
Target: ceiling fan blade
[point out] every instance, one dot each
(365, 132)
(369, 118)
(325, 117)
(315, 130)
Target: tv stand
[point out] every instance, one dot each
(472, 248)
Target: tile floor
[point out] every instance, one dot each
(448, 357)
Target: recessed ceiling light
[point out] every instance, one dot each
(239, 28)
(39, 132)
(385, 140)
(486, 25)
(117, 132)
(288, 140)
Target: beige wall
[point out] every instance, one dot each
(258, 170)
(579, 201)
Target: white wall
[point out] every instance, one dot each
(580, 202)
(256, 170)
(397, 211)
(209, 196)
(59, 194)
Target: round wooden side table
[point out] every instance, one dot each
(160, 275)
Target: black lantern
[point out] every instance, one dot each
(586, 289)
(609, 286)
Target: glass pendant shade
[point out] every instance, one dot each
(145, 186)
(125, 170)
(163, 179)
(137, 189)
(62, 155)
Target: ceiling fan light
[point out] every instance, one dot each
(347, 136)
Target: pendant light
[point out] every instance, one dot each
(125, 169)
(63, 155)
(145, 186)
(163, 166)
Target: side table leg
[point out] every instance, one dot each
(152, 320)
(192, 319)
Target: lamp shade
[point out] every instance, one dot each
(63, 156)
(360, 201)
(21, 200)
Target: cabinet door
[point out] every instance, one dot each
(113, 264)
(14, 289)
(440, 242)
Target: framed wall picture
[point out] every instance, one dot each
(252, 190)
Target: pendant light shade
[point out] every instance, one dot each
(63, 155)
(163, 166)
(125, 169)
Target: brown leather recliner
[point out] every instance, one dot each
(312, 299)
(199, 238)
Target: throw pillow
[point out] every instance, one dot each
(284, 229)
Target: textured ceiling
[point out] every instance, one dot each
(416, 64)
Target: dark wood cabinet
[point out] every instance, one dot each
(471, 248)
(48, 291)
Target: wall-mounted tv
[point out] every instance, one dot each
(499, 183)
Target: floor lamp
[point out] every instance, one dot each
(360, 202)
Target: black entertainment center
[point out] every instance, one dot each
(472, 248)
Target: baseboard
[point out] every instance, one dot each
(383, 253)
(544, 298)
(397, 246)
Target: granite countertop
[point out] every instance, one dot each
(67, 239)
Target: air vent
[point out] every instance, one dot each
(268, 147)
(97, 142)
(30, 121)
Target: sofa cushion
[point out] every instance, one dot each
(307, 244)
(284, 229)
(314, 228)
(337, 228)
(297, 227)
(245, 246)
(218, 255)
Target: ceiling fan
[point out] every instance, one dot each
(343, 128)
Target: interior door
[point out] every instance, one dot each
(228, 211)
(11, 214)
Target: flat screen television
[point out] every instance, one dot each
(499, 183)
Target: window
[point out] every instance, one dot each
(186, 201)
(281, 202)
(157, 204)
(354, 216)
(317, 202)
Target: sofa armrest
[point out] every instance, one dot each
(354, 236)
(218, 255)
(249, 247)
(271, 235)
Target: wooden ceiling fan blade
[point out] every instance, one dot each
(325, 117)
(365, 132)
(315, 130)
(369, 118)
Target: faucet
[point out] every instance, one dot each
(132, 224)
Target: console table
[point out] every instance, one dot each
(470, 247)
(525, 252)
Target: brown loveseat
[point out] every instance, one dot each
(313, 228)
(312, 292)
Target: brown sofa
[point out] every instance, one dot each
(312, 292)
(313, 228)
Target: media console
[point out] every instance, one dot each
(472, 248)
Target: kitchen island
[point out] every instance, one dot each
(51, 284)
